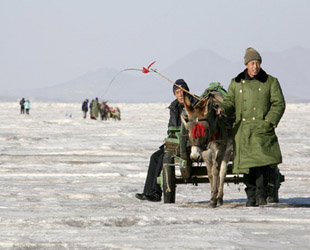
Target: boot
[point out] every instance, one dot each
(273, 193)
(261, 201)
(141, 196)
(155, 197)
(274, 183)
(251, 202)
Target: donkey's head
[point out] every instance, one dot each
(197, 127)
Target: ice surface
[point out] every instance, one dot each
(69, 183)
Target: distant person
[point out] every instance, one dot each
(27, 106)
(94, 111)
(91, 107)
(257, 100)
(85, 108)
(22, 106)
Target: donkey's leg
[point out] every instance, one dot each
(223, 172)
(222, 175)
(213, 173)
(215, 184)
(207, 157)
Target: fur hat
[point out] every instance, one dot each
(181, 83)
(250, 55)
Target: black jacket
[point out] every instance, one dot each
(175, 114)
(85, 106)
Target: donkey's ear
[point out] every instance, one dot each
(187, 103)
(201, 106)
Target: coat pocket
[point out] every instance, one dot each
(263, 136)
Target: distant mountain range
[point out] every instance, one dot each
(198, 69)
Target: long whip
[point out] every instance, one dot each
(148, 70)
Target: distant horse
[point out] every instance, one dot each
(211, 140)
(107, 112)
(104, 111)
(115, 113)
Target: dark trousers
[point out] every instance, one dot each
(155, 166)
(257, 182)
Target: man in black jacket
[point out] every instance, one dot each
(85, 108)
(22, 107)
(152, 191)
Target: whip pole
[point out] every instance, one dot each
(148, 70)
(155, 71)
(108, 87)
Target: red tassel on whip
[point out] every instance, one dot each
(198, 130)
(147, 70)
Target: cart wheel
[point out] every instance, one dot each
(168, 179)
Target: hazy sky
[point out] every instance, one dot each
(47, 42)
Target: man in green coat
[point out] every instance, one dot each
(256, 99)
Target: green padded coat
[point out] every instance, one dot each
(254, 101)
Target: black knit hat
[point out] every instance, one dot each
(181, 83)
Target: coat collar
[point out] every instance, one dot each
(262, 76)
(175, 105)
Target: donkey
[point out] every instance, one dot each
(207, 143)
